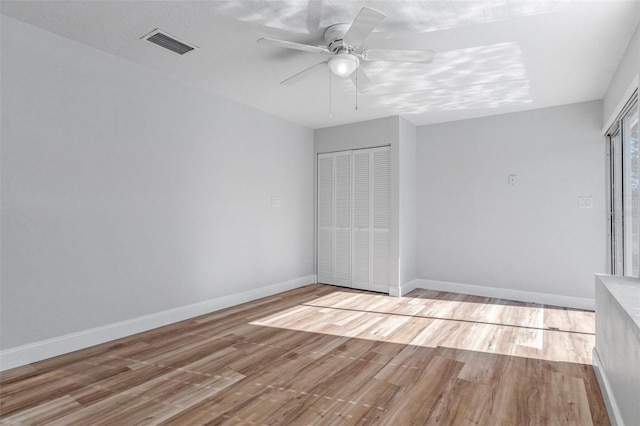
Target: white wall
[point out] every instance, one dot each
(367, 134)
(628, 68)
(125, 193)
(407, 203)
(474, 228)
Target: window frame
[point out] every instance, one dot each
(617, 200)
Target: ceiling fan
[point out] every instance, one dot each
(343, 41)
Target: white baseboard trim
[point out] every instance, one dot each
(509, 294)
(607, 394)
(32, 352)
(403, 289)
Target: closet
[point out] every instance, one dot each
(353, 219)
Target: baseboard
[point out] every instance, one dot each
(607, 394)
(26, 354)
(403, 289)
(509, 294)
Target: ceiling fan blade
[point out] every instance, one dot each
(303, 74)
(394, 55)
(292, 45)
(362, 26)
(363, 83)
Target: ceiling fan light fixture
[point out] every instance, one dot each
(343, 64)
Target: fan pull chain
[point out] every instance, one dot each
(330, 91)
(356, 89)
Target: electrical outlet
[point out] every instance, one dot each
(585, 202)
(275, 201)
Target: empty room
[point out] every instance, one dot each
(303, 212)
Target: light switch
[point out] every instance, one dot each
(275, 201)
(513, 179)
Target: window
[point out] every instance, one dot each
(624, 180)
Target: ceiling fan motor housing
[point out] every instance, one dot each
(334, 35)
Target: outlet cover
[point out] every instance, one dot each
(585, 202)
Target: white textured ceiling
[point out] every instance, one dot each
(492, 56)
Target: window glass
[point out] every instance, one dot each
(631, 172)
(617, 239)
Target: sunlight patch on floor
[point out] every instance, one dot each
(495, 327)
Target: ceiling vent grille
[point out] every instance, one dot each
(169, 42)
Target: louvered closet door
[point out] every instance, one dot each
(325, 218)
(380, 212)
(343, 219)
(361, 276)
(353, 219)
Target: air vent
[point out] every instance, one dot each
(169, 42)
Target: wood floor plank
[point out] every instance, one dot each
(44, 413)
(16, 374)
(424, 390)
(328, 355)
(114, 385)
(471, 407)
(522, 401)
(567, 399)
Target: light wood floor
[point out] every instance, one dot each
(327, 355)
